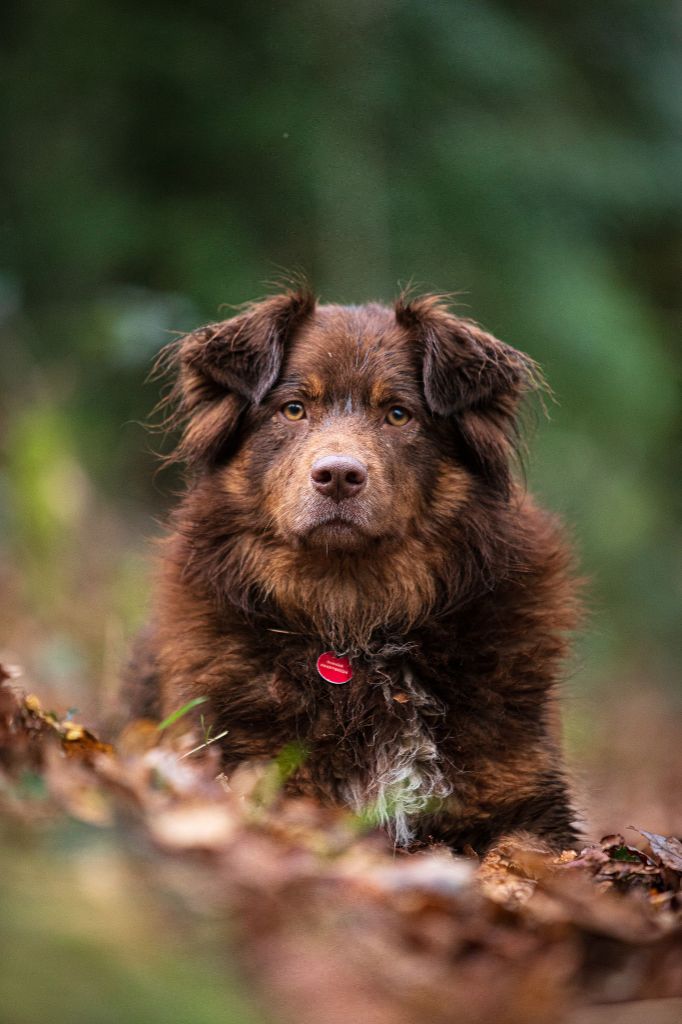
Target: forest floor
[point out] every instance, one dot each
(141, 885)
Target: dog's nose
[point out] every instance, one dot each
(338, 476)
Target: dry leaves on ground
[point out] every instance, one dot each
(328, 921)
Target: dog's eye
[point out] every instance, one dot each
(293, 411)
(397, 416)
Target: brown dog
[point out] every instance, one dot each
(351, 496)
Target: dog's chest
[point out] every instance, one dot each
(372, 743)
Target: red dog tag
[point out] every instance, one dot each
(333, 669)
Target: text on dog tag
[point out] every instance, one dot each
(334, 669)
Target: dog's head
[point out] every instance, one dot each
(342, 431)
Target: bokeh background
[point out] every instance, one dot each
(162, 159)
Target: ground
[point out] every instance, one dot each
(145, 886)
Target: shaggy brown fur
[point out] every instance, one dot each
(447, 588)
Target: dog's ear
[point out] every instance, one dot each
(474, 379)
(224, 367)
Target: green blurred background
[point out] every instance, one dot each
(162, 159)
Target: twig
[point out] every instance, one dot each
(206, 744)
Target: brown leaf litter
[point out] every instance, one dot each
(331, 923)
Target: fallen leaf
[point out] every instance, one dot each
(193, 827)
(78, 741)
(667, 849)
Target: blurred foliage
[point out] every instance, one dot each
(163, 159)
(87, 941)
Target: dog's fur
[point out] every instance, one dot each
(448, 589)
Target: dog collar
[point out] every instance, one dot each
(334, 668)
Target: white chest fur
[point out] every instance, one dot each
(403, 777)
